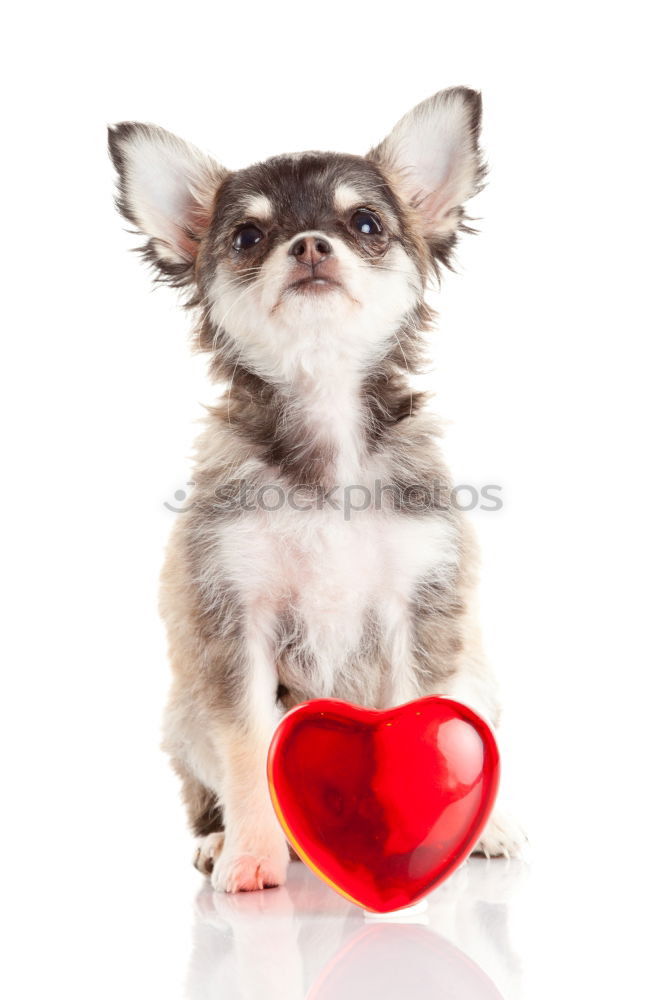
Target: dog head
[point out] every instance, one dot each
(309, 254)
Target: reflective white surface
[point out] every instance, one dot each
(304, 942)
(548, 368)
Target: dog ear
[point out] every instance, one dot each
(166, 188)
(434, 159)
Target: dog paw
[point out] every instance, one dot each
(207, 852)
(503, 837)
(248, 872)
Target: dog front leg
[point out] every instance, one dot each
(255, 853)
(474, 685)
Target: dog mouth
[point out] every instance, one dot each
(313, 285)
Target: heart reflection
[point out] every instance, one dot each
(401, 960)
(305, 942)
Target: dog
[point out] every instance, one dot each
(319, 555)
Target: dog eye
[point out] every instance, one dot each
(247, 237)
(367, 223)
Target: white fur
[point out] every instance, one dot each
(330, 571)
(169, 188)
(259, 207)
(432, 150)
(346, 197)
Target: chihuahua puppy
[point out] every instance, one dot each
(320, 555)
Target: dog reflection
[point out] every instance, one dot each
(303, 942)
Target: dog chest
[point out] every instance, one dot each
(328, 570)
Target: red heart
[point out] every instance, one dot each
(383, 805)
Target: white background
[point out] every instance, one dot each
(548, 362)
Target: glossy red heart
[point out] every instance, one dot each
(383, 805)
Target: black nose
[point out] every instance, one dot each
(310, 250)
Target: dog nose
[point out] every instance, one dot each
(310, 250)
